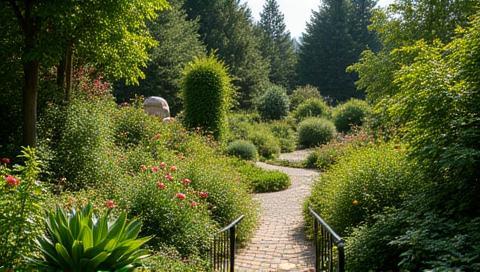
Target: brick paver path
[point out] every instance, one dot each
(279, 243)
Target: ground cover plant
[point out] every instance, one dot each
(263, 181)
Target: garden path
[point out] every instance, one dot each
(279, 243)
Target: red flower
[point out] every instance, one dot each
(186, 181)
(5, 160)
(110, 204)
(173, 168)
(193, 204)
(168, 177)
(143, 168)
(180, 196)
(161, 185)
(163, 165)
(12, 181)
(203, 194)
(154, 169)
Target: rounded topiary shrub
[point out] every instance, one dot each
(315, 131)
(206, 88)
(350, 114)
(303, 93)
(273, 104)
(242, 149)
(312, 107)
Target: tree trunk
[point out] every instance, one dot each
(68, 71)
(30, 93)
(61, 74)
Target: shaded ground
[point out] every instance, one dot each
(279, 243)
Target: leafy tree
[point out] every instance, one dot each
(277, 45)
(326, 51)
(226, 28)
(112, 36)
(178, 44)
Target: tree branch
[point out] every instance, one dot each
(18, 14)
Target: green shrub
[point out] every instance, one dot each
(261, 180)
(315, 131)
(301, 94)
(273, 104)
(131, 126)
(81, 241)
(21, 214)
(171, 210)
(84, 155)
(167, 259)
(206, 90)
(312, 107)
(350, 114)
(285, 134)
(267, 145)
(362, 184)
(242, 149)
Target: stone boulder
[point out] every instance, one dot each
(157, 106)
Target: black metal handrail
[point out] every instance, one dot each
(222, 252)
(325, 244)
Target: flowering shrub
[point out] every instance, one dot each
(21, 195)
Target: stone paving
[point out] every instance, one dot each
(279, 243)
(296, 156)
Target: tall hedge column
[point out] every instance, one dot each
(206, 92)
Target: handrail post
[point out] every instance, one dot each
(315, 237)
(341, 257)
(232, 249)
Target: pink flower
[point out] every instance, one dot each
(168, 177)
(143, 168)
(12, 181)
(203, 194)
(180, 196)
(5, 160)
(161, 185)
(186, 181)
(173, 168)
(163, 165)
(154, 169)
(193, 204)
(110, 204)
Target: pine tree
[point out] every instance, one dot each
(360, 19)
(226, 28)
(277, 45)
(327, 49)
(178, 44)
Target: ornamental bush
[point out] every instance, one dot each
(261, 180)
(242, 149)
(274, 103)
(206, 90)
(301, 94)
(312, 107)
(362, 184)
(267, 145)
(315, 131)
(350, 114)
(283, 131)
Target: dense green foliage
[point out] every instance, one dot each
(243, 149)
(178, 44)
(81, 241)
(315, 131)
(274, 103)
(284, 132)
(277, 46)
(264, 181)
(361, 185)
(21, 214)
(226, 28)
(350, 114)
(207, 95)
(312, 107)
(333, 40)
(301, 94)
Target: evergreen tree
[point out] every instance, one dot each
(226, 28)
(277, 45)
(327, 50)
(179, 43)
(360, 19)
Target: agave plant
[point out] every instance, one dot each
(81, 241)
